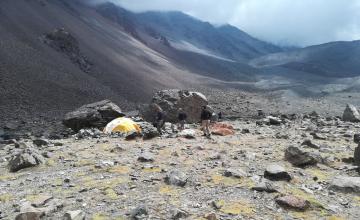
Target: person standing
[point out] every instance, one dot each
(160, 119)
(182, 116)
(205, 120)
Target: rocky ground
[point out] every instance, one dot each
(250, 175)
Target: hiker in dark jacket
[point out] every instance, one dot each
(160, 119)
(182, 116)
(205, 120)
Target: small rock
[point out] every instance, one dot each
(345, 184)
(211, 216)
(117, 149)
(309, 143)
(274, 120)
(293, 202)
(276, 172)
(29, 216)
(245, 131)
(132, 136)
(41, 200)
(74, 215)
(300, 158)
(146, 157)
(187, 133)
(318, 136)
(217, 205)
(179, 214)
(265, 186)
(140, 212)
(41, 142)
(176, 178)
(234, 173)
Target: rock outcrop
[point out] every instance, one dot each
(300, 158)
(96, 115)
(345, 184)
(26, 158)
(351, 114)
(171, 101)
(64, 42)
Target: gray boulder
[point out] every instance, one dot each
(26, 158)
(351, 114)
(234, 173)
(148, 130)
(171, 100)
(188, 133)
(300, 158)
(292, 202)
(96, 115)
(176, 178)
(310, 144)
(276, 172)
(74, 215)
(140, 212)
(265, 186)
(345, 184)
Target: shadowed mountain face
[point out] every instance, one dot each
(187, 33)
(336, 59)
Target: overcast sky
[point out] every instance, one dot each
(286, 22)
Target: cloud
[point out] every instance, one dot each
(285, 22)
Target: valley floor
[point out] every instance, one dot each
(107, 179)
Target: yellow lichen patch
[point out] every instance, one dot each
(356, 200)
(50, 162)
(334, 217)
(100, 216)
(105, 147)
(36, 197)
(321, 175)
(57, 182)
(168, 190)
(6, 197)
(238, 208)
(227, 181)
(119, 169)
(312, 214)
(103, 183)
(7, 177)
(111, 194)
(152, 170)
(83, 163)
(231, 181)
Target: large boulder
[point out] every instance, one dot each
(345, 184)
(300, 158)
(351, 114)
(292, 202)
(24, 159)
(97, 115)
(171, 101)
(276, 172)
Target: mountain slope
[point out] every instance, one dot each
(37, 79)
(335, 59)
(189, 33)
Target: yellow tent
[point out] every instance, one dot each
(123, 125)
